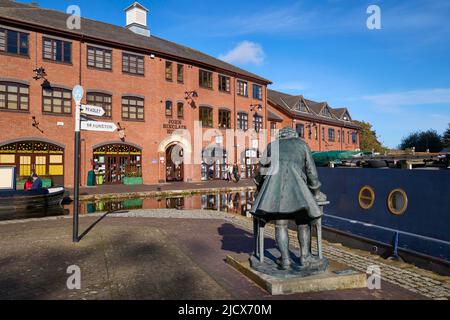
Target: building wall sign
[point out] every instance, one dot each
(173, 125)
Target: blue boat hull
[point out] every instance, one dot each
(423, 228)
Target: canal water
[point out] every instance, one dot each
(237, 203)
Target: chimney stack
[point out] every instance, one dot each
(137, 19)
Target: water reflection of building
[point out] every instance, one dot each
(239, 203)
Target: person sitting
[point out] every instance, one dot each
(28, 183)
(37, 182)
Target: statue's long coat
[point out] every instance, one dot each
(286, 178)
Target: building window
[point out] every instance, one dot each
(180, 110)
(132, 108)
(14, 96)
(309, 132)
(257, 92)
(339, 135)
(101, 100)
(13, 42)
(300, 129)
(242, 88)
(323, 134)
(205, 79)
(354, 137)
(206, 116)
(133, 64)
(180, 73)
(57, 50)
(168, 108)
(316, 133)
(242, 121)
(99, 58)
(273, 128)
(331, 134)
(325, 112)
(57, 100)
(257, 122)
(301, 107)
(169, 71)
(348, 136)
(224, 119)
(224, 83)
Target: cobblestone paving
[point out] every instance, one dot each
(404, 275)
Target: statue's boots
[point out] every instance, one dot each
(284, 264)
(310, 260)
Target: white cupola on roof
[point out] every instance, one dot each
(137, 19)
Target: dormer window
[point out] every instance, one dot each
(301, 107)
(325, 112)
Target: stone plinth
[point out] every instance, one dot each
(336, 277)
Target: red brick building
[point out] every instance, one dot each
(157, 93)
(321, 126)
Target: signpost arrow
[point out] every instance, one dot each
(98, 126)
(92, 110)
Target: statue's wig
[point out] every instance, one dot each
(287, 133)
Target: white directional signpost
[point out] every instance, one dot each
(98, 126)
(90, 125)
(92, 110)
(77, 94)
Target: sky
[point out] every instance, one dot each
(396, 77)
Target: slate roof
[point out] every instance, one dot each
(94, 30)
(272, 116)
(288, 103)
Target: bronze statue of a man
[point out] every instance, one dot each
(289, 189)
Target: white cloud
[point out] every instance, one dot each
(394, 101)
(245, 52)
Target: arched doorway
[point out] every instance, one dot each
(44, 158)
(214, 163)
(113, 162)
(174, 163)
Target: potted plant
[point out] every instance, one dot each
(133, 178)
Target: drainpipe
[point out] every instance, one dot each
(235, 120)
(83, 169)
(319, 135)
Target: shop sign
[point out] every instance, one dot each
(173, 125)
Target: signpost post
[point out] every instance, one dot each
(77, 94)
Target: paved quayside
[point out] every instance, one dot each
(168, 254)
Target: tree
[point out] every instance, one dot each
(368, 138)
(423, 141)
(446, 137)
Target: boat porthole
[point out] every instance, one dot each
(397, 202)
(366, 197)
